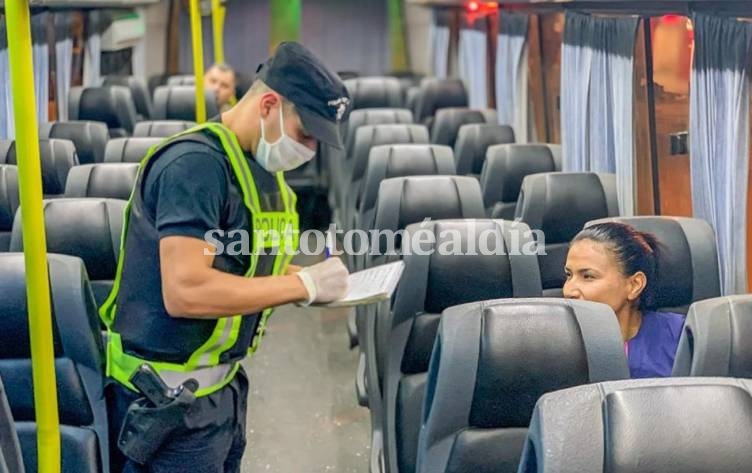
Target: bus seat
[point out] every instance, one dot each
(112, 105)
(715, 338)
(128, 150)
(89, 138)
(181, 79)
(447, 123)
(559, 204)
(86, 228)
(472, 143)
(11, 460)
(78, 349)
(139, 92)
(366, 138)
(103, 180)
(411, 98)
(436, 94)
(179, 103)
(492, 361)
(689, 262)
(671, 425)
(431, 283)
(374, 92)
(504, 168)
(161, 128)
(57, 158)
(79, 448)
(9, 202)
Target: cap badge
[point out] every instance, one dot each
(341, 105)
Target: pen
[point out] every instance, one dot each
(328, 246)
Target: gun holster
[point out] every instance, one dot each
(146, 427)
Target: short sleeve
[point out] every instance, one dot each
(187, 195)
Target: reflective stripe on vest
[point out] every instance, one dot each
(203, 364)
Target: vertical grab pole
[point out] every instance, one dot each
(218, 26)
(34, 238)
(198, 60)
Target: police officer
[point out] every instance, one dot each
(191, 312)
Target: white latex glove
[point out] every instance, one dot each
(325, 281)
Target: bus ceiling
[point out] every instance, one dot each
(87, 3)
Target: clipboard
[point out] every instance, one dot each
(370, 285)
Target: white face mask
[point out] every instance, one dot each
(284, 154)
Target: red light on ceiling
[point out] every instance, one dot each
(492, 6)
(671, 19)
(473, 6)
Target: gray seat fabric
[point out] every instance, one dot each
(447, 123)
(375, 92)
(667, 425)
(179, 103)
(57, 158)
(715, 339)
(89, 138)
(104, 180)
(128, 150)
(688, 266)
(491, 362)
(504, 168)
(89, 229)
(431, 283)
(112, 105)
(161, 128)
(139, 92)
(472, 143)
(559, 204)
(181, 79)
(11, 460)
(366, 138)
(435, 94)
(9, 202)
(79, 360)
(412, 95)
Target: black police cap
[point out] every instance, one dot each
(320, 97)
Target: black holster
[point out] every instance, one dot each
(146, 427)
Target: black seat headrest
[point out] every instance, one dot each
(57, 158)
(179, 103)
(9, 197)
(89, 138)
(435, 94)
(112, 105)
(473, 141)
(373, 116)
(374, 92)
(128, 150)
(447, 123)
(181, 79)
(104, 180)
(139, 92)
(161, 128)
(368, 136)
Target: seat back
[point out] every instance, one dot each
(128, 150)
(11, 460)
(181, 79)
(472, 143)
(89, 229)
(436, 94)
(448, 121)
(57, 158)
(373, 116)
(9, 202)
(559, 204)
(179, 103)
(375, 92)
(486, 262)
(139, 92)
(161, 128)
(89, 138)
(112, 105)
(104, 180)
(505, 167)
(77, 346)
(492, 361)
(643, 425)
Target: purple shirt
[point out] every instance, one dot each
(651, 352)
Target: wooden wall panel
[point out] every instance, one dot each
(536, 86)
(641, 126)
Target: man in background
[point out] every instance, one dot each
(220, 78)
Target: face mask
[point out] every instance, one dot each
(284, 154)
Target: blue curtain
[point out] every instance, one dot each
(719, 138)
(41, 58)
(63, 62)
(93, 49)
(438, 45)
(511, 74)
(596, 99)
(6, 100)
(472, 61)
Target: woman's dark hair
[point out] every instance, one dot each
(634, 251)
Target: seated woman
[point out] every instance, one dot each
(616, 264)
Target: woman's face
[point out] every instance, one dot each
(593, 274)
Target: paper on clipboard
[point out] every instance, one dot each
(370, 285)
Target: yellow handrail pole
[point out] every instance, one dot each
(34, 239)
(198, 60)
(218, 22)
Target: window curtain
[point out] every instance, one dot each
(93, 49)
(596, 99)
(438, 44)
(511, 74)
(472, 60)
(63, 62)
(719, 138)
(41, 62)
(6, 100)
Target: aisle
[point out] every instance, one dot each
(303, 415)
